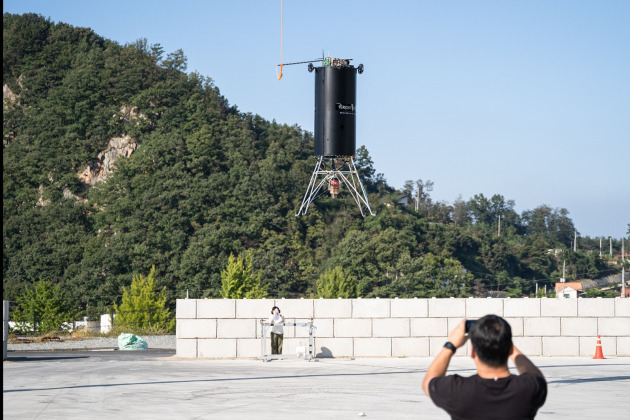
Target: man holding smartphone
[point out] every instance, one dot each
(493, 393)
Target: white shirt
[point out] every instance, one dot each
(277, 319)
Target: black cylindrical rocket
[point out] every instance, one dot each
(335, 110)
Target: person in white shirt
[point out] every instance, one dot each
(277, 330)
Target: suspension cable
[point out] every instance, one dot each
(280, 74)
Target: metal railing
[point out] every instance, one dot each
(307, 354)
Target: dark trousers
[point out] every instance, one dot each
(276, 343)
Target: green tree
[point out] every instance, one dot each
(447, 276)
(553, 224)
(480, 209)
(42, 308)
(238, 280)
(371, 180)
(143, 306)
(518, 288)
(595, 292)
(334, 283)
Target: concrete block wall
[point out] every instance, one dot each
(230, 328)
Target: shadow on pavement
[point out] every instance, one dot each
(75, 355)
(257, 378)
(41, 358)
(583, 380)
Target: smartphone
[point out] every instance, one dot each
(469, 322)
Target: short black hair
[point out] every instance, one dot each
(491, 337)
(275, 307)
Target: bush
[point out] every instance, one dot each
(238, 280)
(335, 283)
(143, 307)
(41, 308)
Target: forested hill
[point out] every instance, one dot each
(116, 160)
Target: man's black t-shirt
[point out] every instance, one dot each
(514, 397)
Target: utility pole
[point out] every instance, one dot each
(417, 200)
(575, 242)
(600, 247)
(611, 248)
(560, 292)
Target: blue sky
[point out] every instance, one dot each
(527, 99)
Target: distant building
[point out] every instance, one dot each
(616, 259)
(403, 199)
(566, 291)
(574, 287)
(555, 251)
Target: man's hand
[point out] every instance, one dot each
(440, 364)
(458, 336)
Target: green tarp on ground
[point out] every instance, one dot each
(131, 342)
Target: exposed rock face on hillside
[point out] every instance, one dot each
(8, 94)
(99, 169)
(8, 100)
(41, 202)
(128, 114)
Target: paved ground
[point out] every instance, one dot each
(157, 385)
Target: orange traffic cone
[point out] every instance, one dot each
(598, 350)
